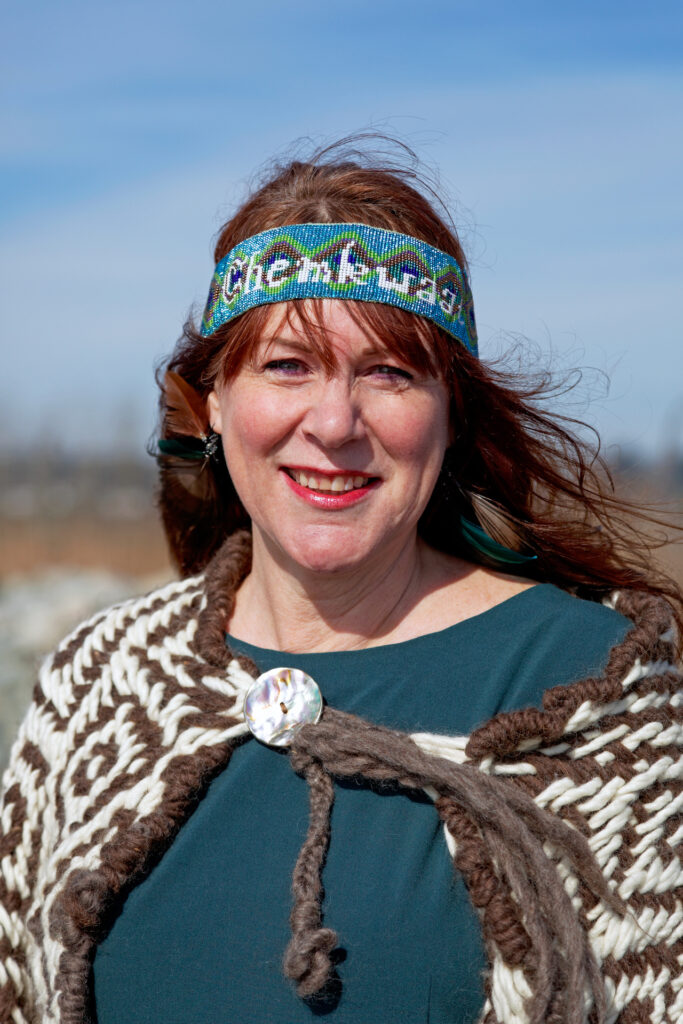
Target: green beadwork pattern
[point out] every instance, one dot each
(350, 261)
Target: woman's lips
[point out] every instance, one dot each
(329, 490)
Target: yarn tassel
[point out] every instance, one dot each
(307, 958)
(514, 830)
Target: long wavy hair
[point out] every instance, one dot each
(529, 469)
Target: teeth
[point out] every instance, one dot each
(335, 484)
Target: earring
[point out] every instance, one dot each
(197, 448)
(489, 550)
(490, 538)
(187, 418)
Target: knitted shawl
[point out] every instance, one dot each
(565, 822)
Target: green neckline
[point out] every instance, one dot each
(471, 621)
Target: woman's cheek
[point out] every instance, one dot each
(260, 421)
(414, 432)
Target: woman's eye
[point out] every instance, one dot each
(289, 367)
(392, 372)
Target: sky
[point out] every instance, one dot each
(130, 131)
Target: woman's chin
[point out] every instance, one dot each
(326, 552)
(330, 549)
(326, 560)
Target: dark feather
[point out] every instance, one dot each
(186, 413)
(184, 474)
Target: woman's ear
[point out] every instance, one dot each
(213, 406)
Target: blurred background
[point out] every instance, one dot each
(129, 132)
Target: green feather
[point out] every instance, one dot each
(189, 448)
(490, 551)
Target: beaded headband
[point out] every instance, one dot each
(342, 261)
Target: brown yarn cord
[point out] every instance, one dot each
(307, 959)
(513, 828)
(501, 916)
(533, 922)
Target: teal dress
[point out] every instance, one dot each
(201, 939)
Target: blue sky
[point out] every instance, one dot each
(129, 131)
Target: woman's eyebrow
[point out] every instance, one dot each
(301, 346)
(371, 349)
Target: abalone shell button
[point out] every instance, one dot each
(279, 703)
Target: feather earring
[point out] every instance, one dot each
(185, 411)
(496, 539)
(497, 523)
(186, 416)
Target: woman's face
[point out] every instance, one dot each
(333, 467)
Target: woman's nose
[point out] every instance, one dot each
(334, 417)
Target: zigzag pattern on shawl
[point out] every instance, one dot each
(619, 742)
(139, 709)
(128, 727)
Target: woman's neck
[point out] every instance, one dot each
(282, 607)
(398, 595)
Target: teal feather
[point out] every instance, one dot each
(187, 448)
(489, 550)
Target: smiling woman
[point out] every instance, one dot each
(363, 438)
(410, 585)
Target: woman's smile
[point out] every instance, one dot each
(333, 464)
(324, 480)
(329, 490)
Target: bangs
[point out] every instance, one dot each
(413, 340)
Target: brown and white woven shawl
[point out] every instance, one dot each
(565, 822)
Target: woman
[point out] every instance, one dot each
(359, 509)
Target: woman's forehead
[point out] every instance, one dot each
(330, 325)
(328, 320)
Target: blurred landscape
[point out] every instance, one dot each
(78, 533)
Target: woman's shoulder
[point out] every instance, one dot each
(595, 660)
(547, 606)
(551, 622)
(156, 615)
(109, 663)
(538, 638)
(560, 638)
(495, 601)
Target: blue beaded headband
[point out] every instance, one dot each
(342, 261)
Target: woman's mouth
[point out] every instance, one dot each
(332, 490)
(327, 484)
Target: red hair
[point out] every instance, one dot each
(551, 487)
